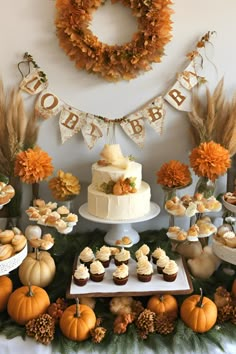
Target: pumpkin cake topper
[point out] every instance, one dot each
(114, 62)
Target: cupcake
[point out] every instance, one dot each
(144, 269)
(161, 263)
(86, 256)
(157, 253)
(121, 274)
(144, 249)
(122, 257)
(81, 275)
(97, 271)
(104, 256)
(170, 271)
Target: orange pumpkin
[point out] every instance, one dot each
(27, 303)
(233, 290)
(6, 287)
(77, 321)
(199, 313)
(163, 304)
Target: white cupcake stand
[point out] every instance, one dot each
(120, 228)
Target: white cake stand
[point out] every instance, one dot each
(120, 228)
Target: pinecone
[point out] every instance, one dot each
(41, 328)
(221, 297)
(164, 324)
(57, 308)
(137, 308)
(233, 315)
(98, 334)
(224, 313)
(146, 322)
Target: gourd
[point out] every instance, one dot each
(6, 287)
(27, 303)
(163, 304)
(77, 321)
(38, 268)
(199, 313)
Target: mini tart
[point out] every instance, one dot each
(18, 242)
(6, 251)
(6, 236)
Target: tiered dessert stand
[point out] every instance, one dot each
(225, 253)
(120, 228)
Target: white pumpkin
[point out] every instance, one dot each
(38, 268)
(33, 231)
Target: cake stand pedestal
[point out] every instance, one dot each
(120, 228)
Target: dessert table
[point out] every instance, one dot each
(220, 339)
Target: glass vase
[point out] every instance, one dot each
(206, 187)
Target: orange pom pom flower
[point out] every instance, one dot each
(210, 160)
(174, 174)
(33, 165)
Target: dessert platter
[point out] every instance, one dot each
(13, 250)
(106, 285)
(118, 196)
(224, 244)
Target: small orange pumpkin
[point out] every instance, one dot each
(199, 313)
(76, 322)
(163, 304)
(233, 290)
(27, 303)
(6, 287)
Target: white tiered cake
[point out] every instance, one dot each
(117, 191)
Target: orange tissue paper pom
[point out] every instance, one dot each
(33, 165)
(174, 174)
(210, 160)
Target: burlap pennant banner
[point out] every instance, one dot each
(48, 105)
(155, 114)
(134, 127)
(70, 122)
(92, 130)
(32, 83)
(92, 127)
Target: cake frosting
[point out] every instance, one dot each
(97, 268)
(121, 271)
(171, 268)
(144, 266)
(81, 272)
(162, 261)
(103, 254)
(123, 255)
(86, 255)
(158, 252)
(116, 173)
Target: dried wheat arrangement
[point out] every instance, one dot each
(214, 118)
(17, 132)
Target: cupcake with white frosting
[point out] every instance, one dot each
(104, 256)
(170, 271)
(122, 257)
(81, 275)
(121, 274)
(144, 269)
(97, 271)
(86, 256)
(157, 253)
(143, 250)
(161, 263)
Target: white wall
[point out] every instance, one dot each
(28, 25)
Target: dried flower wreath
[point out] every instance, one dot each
(114, 62)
